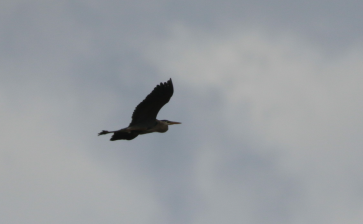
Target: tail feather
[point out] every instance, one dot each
(123, 136)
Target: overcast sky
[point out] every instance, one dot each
(269, 94)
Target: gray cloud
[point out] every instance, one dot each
(269, 96)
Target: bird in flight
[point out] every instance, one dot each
(144, 117)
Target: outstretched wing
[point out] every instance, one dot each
(146, 112)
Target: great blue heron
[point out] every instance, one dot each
(144, 117)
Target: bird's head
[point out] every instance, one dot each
(170, 122)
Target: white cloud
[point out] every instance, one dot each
(301, 103)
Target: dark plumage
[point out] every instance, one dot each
(144, 117)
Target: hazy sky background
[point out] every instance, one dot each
(269, 94)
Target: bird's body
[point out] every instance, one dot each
(144, 117)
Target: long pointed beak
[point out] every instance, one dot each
(174, 122)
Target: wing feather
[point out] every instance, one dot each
(123, 136)
(148, 109)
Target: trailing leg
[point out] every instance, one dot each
(105, 132)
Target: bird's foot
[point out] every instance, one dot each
(103, 132)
